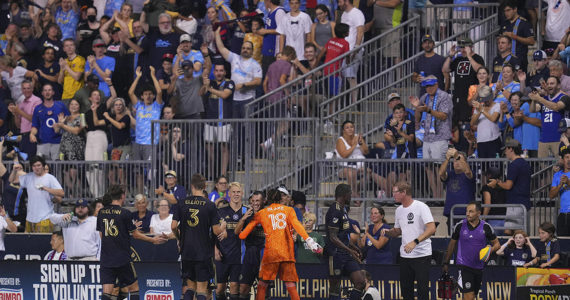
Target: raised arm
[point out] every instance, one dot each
(133, 87)
(220, 45)
(156, 85)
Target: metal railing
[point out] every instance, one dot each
(524, 218)
(259, 153)
(306, 91)
(445, 20)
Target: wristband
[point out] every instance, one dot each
(506, 244)
(417, 241)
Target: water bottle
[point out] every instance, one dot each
(82, 119)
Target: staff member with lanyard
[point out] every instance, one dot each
(519, 30)
(82, 241)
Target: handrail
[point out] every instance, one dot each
(315, 71)
(453, 216)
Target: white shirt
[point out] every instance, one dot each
(81, 239)
(15, 83)
(412, 221)
(486, 130)
(557, 20)
(40, 206)
(3, 227)
(353, 18)
(373, 292)
(295, 29)
(161, 226)
(56, 255)
(189, 27)
(244, 70)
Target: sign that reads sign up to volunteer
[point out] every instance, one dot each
(24, 280)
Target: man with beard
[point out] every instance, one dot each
(79, 232)
(504, 57)
(429, 64)
(158, 43)
(48, 71)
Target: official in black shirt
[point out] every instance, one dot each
(254, 245)
(115, 226)
(193, 224)
(229, 251)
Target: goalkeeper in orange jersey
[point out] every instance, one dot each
(278, 221)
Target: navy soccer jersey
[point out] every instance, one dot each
(231, 246)
(116, 226)
(196, 216)
(256, 237)
(337, 218)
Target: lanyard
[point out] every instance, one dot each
(221, 104)
(506, 61)
(433, 106)
(515, 29)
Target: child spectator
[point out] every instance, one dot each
(334, 48)
(548, 250)
(518, 250)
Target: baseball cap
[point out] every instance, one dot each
(98, 43)
(82, 202)
(429, 80)
(283, 189)
(563, 125)
(493, 172)
(511, 143)
(465, 42)
(186, 63)
(185, 38)
(427, 37)
(116, 29)
(485, 94)
(170, 173)
(393, 96)
(93, 78)
(539, 55)
(168, 56)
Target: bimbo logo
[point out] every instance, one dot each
(11, 294)
(156, 295)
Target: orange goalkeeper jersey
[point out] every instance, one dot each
(277, 221)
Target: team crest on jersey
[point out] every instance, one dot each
(468, 285)
(411, 218)
(335, 220)
(524, 256)
(235, 217)
(337, 272)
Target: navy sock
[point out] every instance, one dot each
(355, 294)
(134, 295)
(200, 297)
(189, 295)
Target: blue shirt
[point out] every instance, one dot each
(511, 87)
(462, 8)
(104, 63)
(550, 119)
(378, 256)
(564, 191)
(145, 114)
(518, 257)
(193, 56)
(459, 190)
(531, 133)
(43, 119)
(519, 173)
(112, 6)
(67, 22)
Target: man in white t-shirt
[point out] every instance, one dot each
(557, 21)
(295, 29)
(246, 74)
(414, 222)
(5, 223)
(43, 191)
(354, 18)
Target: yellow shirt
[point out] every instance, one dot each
(257, 41)
(129, 24)
(70, 85)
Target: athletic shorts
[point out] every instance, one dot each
(250, 265)
(342, 265)
(469, 279)
(285, 269)
(198, 271)
(217, 134)
(227, 272)
(122, 276)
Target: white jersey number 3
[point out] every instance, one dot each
(278, 221)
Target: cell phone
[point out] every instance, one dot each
(450, 146)
(533, 89)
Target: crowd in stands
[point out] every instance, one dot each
(82, 81)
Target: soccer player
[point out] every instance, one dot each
(472, 234)
(115, 225)
(193, 222)
(277, 221)
(229, 250)
(344, 257)
(254, 245)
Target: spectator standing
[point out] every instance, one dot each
(459, 183)
(141, 216)
(518, 250)
(119, 122)
(526, 124)
(31, 45)
(44, 117)
(161, 223)
(485, 119)
(470, 236)
(160, 42)
(87, 32)
(14, 76)
(504, 57)
(100, 65)
(52, 38)
(550, 107)
(519, 30)
(43, 191)
(72, 145)
(67, 18)
(294, 30)
(255, 38)
(495, 195)
(505, 87)
(57, 244)
(539, 73)
(517, 185)
(79, 231)
(464, 66)
(430, 63)
(560, 189)
(376, 248)
(219, 93)
(414, 221)
(187, 91)
(185, 52)
(354, 18)
(5, 224)
(71, 70)
(246, 74)
(48, 71)
(271, 37)
(334, 48)
(83, 94)
(323, 29)
(23, 113)
(557, 21)
(96, 142)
